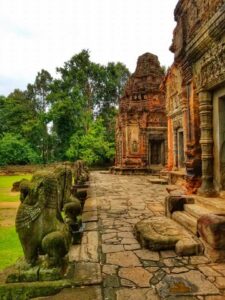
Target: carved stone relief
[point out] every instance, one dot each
(212, 67)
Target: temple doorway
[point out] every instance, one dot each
(156, 152)
(180, 148)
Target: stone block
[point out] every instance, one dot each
(176, 203)
(211, 228)
(188, 246)
(29, 275)
(161, 233)
(87, 273)
(50, 274)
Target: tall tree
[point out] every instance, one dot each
(84, 91)
(16, 110)
(38, 92)
(64, 117)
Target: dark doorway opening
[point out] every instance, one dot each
(180, 148)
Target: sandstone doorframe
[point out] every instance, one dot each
(219, 137)
(157, 136)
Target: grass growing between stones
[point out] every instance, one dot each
(5, 187)
(10, 248)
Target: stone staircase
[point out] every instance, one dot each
(201, 206)
(188, 215)
(159, 175)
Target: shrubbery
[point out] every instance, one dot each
(93, 147)
(15, 150)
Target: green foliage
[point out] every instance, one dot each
(94, 148)
(15, 150)
(38, 131)
(15, 111)
(56, 117)
(10, 249)
(84, 92)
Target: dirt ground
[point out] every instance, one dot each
(7, 216)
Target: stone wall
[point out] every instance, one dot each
(195, 93)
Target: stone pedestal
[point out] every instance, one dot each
(211, 228)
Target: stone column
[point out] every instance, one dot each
(205, 107)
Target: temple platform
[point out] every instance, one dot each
(153, 170)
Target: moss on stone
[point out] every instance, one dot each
(24, 291)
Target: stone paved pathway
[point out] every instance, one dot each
(110, 264)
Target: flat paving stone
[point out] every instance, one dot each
(147, 254)
(89, 247)
(132, 247)
(111, 248)
(136, 294)
(190, 283)
(138, 275)
(127, 271)
(123, 259)
(87, 273)
(220, 282)
(109, 269)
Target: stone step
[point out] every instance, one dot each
(164, 177)
(215, 205)
(186, 220)
(196, 210)
(158, 181)
(164, 173)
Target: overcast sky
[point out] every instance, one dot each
(43, 34)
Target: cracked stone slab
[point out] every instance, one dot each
(87, 273)
(147, 255)
(123, 259)
(89, 247)
(137, 275)
(109, 269)
(132, 247)
(161, 233)
(136, 294)
(111, 248)
(186, 284)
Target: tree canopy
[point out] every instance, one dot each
(68, 117)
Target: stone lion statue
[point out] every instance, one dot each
(39, 222)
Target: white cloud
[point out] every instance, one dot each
(38, 34)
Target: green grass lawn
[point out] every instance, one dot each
(6, 185)
(10, 248)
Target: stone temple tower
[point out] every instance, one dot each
(141, 130)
